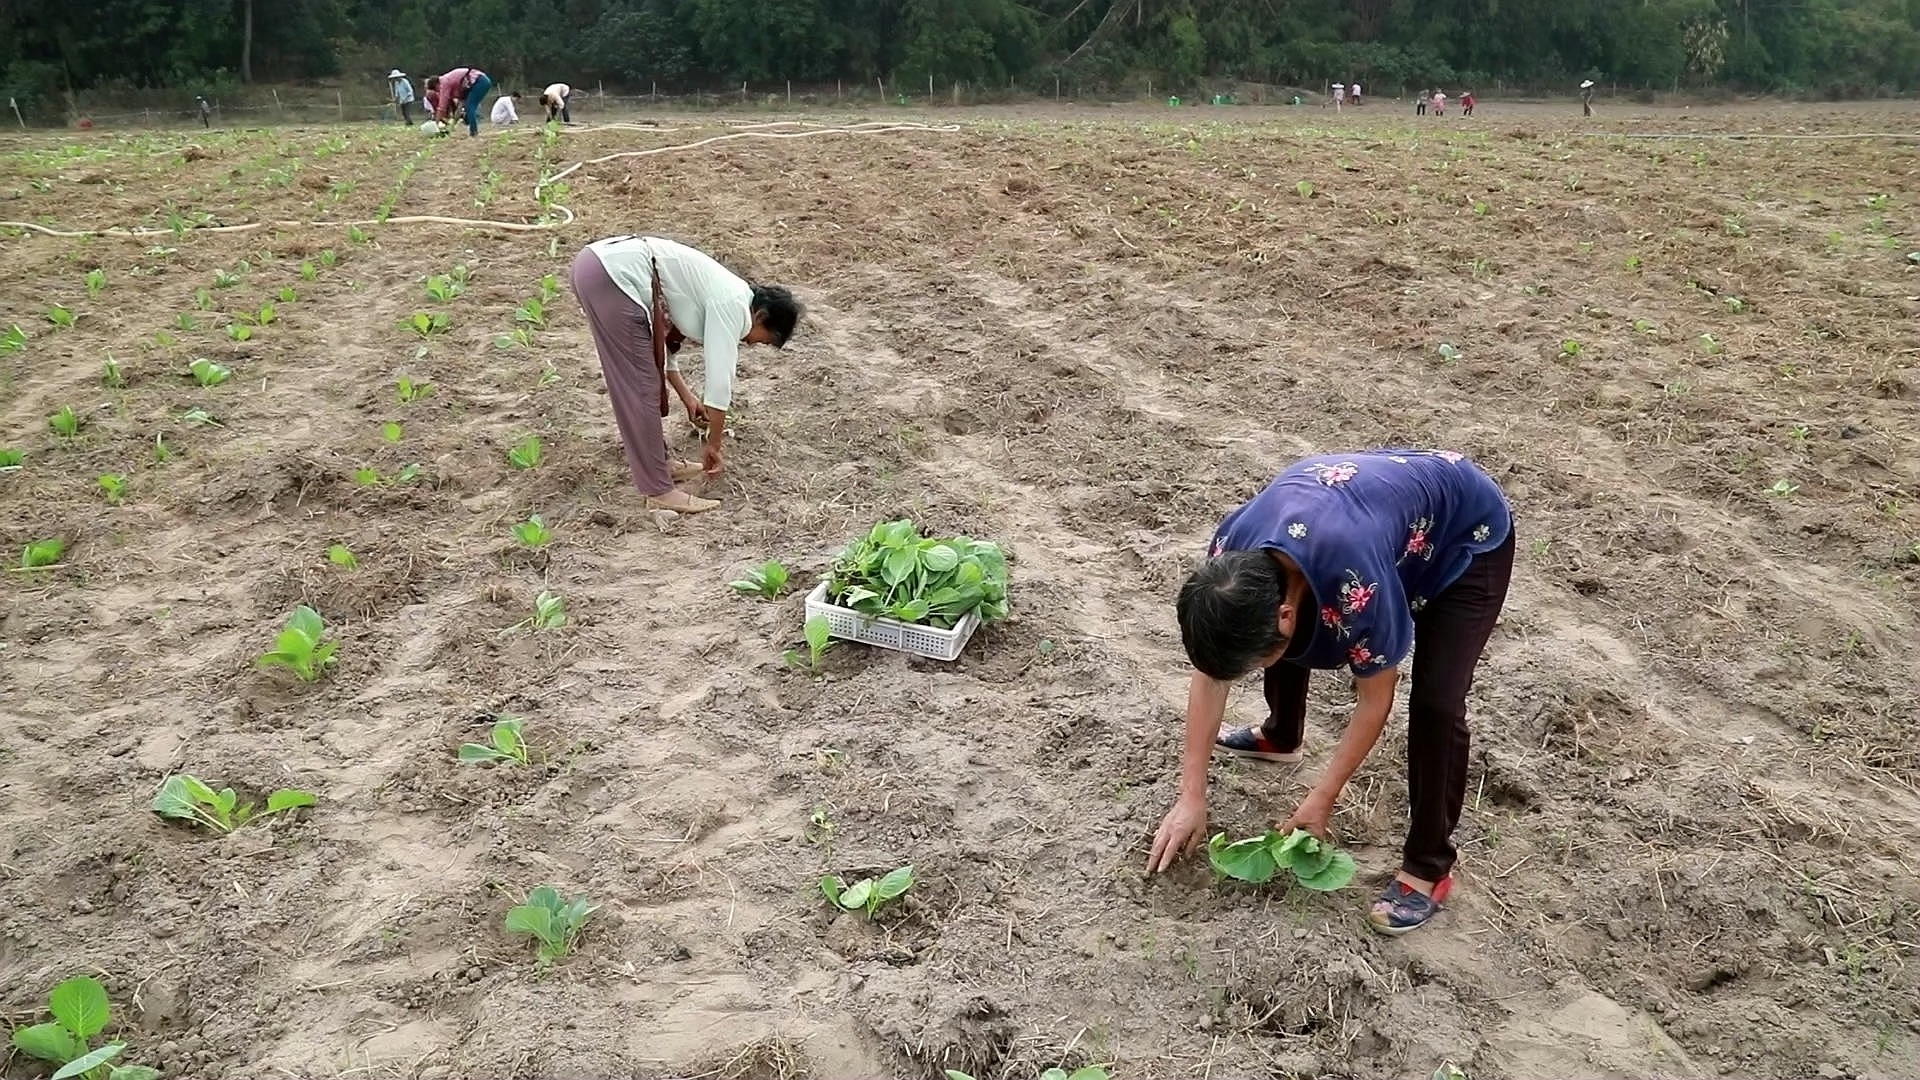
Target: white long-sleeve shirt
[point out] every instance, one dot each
(503, 111)
(708, 303)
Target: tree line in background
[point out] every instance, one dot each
(1836, 47)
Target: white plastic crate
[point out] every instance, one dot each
(928, 641)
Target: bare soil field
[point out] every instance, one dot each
(1689, 840)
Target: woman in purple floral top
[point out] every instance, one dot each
(1343, 561)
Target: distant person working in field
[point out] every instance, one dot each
(205, 108)
(1466, 103)
(400, 89)
(1353, 93)
(1339, 95)
(504, 111)
(1586, 98)
(1348, 560)
(1439, 103)
(643, 295)
(555, 99)
(464, 87)
(1420, 103)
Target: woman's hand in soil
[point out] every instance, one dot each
(696, 413)
(1181, 831)
(1314, 815)
(712, 461)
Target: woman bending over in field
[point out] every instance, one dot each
(1345, 560)
(465, 86)
(643, 295)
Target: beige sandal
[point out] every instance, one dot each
(682, 470)
(693, 505)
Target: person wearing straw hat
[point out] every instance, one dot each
(1586, 98)
(400, 88)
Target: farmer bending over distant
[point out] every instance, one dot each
(461, 86)
(555, 99)
(643, 295)
(503, 109)
(1346, 560)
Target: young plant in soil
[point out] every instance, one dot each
(764, 581)
(207, 373)
(1315, 865)
(428, 324)
(533, 532)
(80, 1011)
(111, 376)
(525, 453)
(13, 339)
(894, 572)
(504, 745)
(65, 423)
(411, 391)
(552, 923)
(61, 317)
(819, 639)
(533, 312)
(11, 458)
(300, 648)
(342, 556)
(42, 554)
(867, 895)
(96, 283)
(114, 487)
(188, 798)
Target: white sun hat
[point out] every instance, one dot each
(1586, 84)
(396, 73)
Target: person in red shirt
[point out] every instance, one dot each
(1466, 103)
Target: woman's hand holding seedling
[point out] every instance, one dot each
(713, 453)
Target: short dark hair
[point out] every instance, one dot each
(781, 312)
(1230, 613)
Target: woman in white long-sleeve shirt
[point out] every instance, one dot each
(643, 295)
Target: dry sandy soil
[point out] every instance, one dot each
(1688, 848)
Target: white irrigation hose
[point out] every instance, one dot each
(874, 128)
(1741, 136)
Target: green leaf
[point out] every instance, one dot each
(855, 896)
(819, 633)
(940, 558)
(289, 799)
(80, 1066)
(175, 798)
(1249, 860)
(831, 888)
(506, 735)
(776, 577)
(894, 884)
(48, 1042)
(1336, 875)
(80, 1005)
(474, 752)
(956, 1074)
(532, 919)
(912, 611)
(545, 896)
(746, 585)
(134, 1072)
(307, 623)
(900, 565)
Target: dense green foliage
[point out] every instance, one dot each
(1832, 46)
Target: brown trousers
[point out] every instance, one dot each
(1449, 635)
(623, 336)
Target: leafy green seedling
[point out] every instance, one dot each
(342, 556)
(868, 894)
(114, 487)
(328, 258)
(60, 317)
(96, 282)
(41, 554)
(239, 332)
(300, 647)
(11, 458)
(357, 235)
(519, 336)
(65, 423)
(1783, 489)
(765, 580)
(1710, 345)
(549, 288)
(411, 391)
(1646, 326)
(896, 573)
(308, 272)
(1481, 208)
(202, 299)
(161, 451)
(504, 744)
(819, 634)
(207, 373)
(428, 324)
(1570, 347)
(287, 295)
(533, 532)
(80, 1011)
(1315, 865)
(110, 374)
(366, 476)
(533, 312)
(442, 288)
(525, 453)
(13, 339)
(1450, 354)
(1304, 188)
(225, 279)
(1449, 1071)
(265, 315)
(390, 431)
(1085, 1072)
(549, 611)
(188, 798)
(552, 923)
(1734, 304)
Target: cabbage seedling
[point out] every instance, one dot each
(427, 325)
(265, 315)
(390, 431)
(96, 282)
(533, 532)
(867, 894)
(11, 458)
(13, 339)
(41, 554)
(239, 332)
(443, 288)
(207, 373)
(357, 235)
(60, 316)
(549, 288)
(287, 295)
(519, 335)
(525, 453)
(202, 299)
(1085, 1072)
(533, 312)
(894, 572)
(185, 797)
(161, 451)
(225, 279)
(328, 258)
(114, 487)
(1315, 865)
(110, 374)
(765, 580)
(65, 423)
(299, 647)
(308, 271)
(411, 391)
(552, 923)
(80, 1011)
(504, 744)
(819, 634)
(342, 556)
(549, 611)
